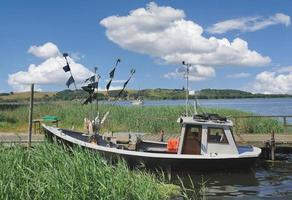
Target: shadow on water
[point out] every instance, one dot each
(267, 180)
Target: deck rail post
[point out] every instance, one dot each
(30, 115)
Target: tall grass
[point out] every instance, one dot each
(47, 172)
(122, 118)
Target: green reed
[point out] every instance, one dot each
(49, 172)
(148, 119)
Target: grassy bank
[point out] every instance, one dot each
(122, 118)
(48, 172)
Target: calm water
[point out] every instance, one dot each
(267, 180)
(274, 106)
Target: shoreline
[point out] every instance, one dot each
(145, 99)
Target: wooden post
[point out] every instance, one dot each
(30, 115)
(272, 146)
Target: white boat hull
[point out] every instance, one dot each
(244, 160)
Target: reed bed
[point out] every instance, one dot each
(49, 172)
(150, 119)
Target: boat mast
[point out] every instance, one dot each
(187, 85)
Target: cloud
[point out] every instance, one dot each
(284, 70)
(196, 73)
(77, 56)
(238, 75)
(249, 24)
(47, 50)
(50, 71)
(163, 32)
(273, 82)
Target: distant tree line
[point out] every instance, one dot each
(163, 94)
(150, 94)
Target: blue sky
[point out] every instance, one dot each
(177, 30)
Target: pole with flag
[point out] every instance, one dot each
(97, 77)
(132, 72)
(112, 74)
(68, 69)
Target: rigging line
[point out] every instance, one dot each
(190, 108)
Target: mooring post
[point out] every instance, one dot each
(30, 115)
(272, 146)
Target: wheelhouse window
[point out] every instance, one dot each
(194, 129)
(216, 135)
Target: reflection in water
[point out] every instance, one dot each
(268, 180)
(223, 183)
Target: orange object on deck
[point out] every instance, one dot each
(172, 144)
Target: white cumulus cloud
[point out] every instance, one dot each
(163, 32)
(196, 73)
(249, 24)
(50, 71)
(46, 50)
(273, 82)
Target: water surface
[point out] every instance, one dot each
(267, 106)
(266, 181)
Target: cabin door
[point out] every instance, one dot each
(192, 140)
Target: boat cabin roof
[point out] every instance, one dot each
(209, 119)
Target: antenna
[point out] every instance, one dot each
(187, 85)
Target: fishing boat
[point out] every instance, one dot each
(206, 142)
(137, 102)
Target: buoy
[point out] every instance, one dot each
(172, 144)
